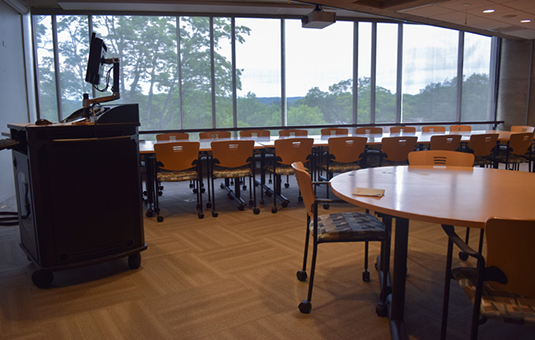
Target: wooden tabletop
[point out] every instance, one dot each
(446, 195)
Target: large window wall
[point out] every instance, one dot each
(203, 72)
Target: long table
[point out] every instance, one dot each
(456, 196)
(146, 148)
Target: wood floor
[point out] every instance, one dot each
(230, 277)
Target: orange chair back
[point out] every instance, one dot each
(293, 133)
(293, 150)
(172, 136)
(347, 149)
(441, 157)
(177, 156)
(482, 145)
(334, 132)
(368, 130)
(304, 181)
(445, 142)
(232, 154)
(397, 149)
(214, 134)
(402, 129)
(255, 133)
(519, 128)
(460, 128)
(510, 248)
(433, 129)
(519, 143)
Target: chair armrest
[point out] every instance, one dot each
(465, 248)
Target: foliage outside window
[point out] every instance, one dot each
(180, 71)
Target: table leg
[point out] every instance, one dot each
(150, 175)
(397, 318)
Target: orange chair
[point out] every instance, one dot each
(483, 147)
(460, 128)
(520, 128)
(518, 151)
(433, 129)
(214, 134)
(402, 129)
(293, 133)
(172, 136)
(441, 157)
(341, 227)
(233, 159)
(334, 132)
(255, 133)
(445, 142)
(368, 130)
(395, 150)
(287, 151)
(177, 162)
(500, 287)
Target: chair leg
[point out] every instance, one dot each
(305, 306)
(366, 272)
(446, 298)
(302, 274)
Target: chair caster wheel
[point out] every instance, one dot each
(191, 185)
(160, 193)
(208, 205)
(463, 256)
(214, 214)
(149, 213)
(301, 275)
(200, 215)
(274, 210)
(326, 206)
(380, 309)
(159, 218)
(305, 307)
(284, 204)
(256, 211)
(241, 208)
(244, 187)
(286, 185)
(134, 261)
(366, 276)
(203, 190)
(42, 279)
(195, 191)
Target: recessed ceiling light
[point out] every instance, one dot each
(525, 21)
(488, 11)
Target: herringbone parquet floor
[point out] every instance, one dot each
(230, 277)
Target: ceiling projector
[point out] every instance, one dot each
(318, 18)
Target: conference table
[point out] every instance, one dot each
(457, 196)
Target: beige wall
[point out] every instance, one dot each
(516, 94)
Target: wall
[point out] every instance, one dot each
(516, 97)
(13, 95)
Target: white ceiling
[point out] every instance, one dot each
(458, 14)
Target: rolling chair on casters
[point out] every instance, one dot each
(287, 151)
(341, 227)
(177, 162)
(233, 159)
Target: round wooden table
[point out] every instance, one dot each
(444, 195)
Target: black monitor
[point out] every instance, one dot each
(95, 63)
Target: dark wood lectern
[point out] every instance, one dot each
(78, 191)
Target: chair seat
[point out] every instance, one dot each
(232, 172)
(349, 226)
(513, 159)
(495, 304)
(341, 167)
(282, 170)
(179, 176)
